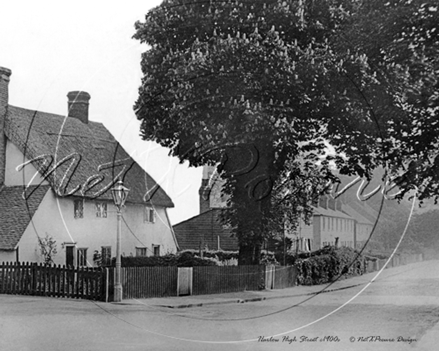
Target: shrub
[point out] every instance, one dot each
(219, 255)
(328, 265)
(183, 259)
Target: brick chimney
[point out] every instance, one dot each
(205, 189)
(204, 193)
(78, 105)
(5, 73)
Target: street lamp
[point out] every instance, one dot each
(119, 193)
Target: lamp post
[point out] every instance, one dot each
(119, 193)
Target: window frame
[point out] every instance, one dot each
(78, 211)
(141, 251)
(106, 259)
(149, 214)
(81, 257)
(154, 250)
(101, 209)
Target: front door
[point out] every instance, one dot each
(69, 256)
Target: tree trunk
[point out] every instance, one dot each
(249, 171)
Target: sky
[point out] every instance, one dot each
(53, 47)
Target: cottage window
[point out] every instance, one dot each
(149, 215)
(141, 251)
(106, 255)
(82, 257)
(78, 208)
(156, 250)
(101, 209)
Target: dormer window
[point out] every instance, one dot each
(149, 215)
(78, 208)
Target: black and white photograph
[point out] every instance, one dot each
(219, 175)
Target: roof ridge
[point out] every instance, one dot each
(52, 114)
(197, 215)
(91, 164)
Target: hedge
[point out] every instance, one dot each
(184, 259)
(329, 264)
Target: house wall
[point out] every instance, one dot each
(332, 228)
(302, 233)
(55, 216)
(363, 232)
(14, 158)
(317, 232)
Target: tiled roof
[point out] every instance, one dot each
(91, 146)
(365, 210)
(16, 212)
(204, 229)
(356, 215)
(329, 212)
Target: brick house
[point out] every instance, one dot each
(56, 173)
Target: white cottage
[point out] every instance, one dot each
(55, 179)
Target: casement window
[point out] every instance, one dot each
(81, 256)
(101, 209)
(156, 250)
(141, 251)
(149, 215)
(78, 208)
(106, 256)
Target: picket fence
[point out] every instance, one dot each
(145, 282)
(51, 280)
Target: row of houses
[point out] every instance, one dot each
(56, 175)
(349, 221)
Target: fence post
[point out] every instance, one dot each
(105, 284)
(2, 281)
(9, 271)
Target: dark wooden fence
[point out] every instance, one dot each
(223, 279)
(51, 280)
(141, 282)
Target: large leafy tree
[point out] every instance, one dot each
(258, 86)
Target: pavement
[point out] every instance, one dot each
(253, 296)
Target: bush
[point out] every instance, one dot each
(330, 264)
(183, 259)
(219, 255)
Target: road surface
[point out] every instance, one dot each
(399, 311)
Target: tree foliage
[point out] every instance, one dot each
(48, 248)
(259, 86)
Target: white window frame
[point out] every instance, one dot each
(149, 214)
(101, 209)
(81, 255)
(141, 251)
